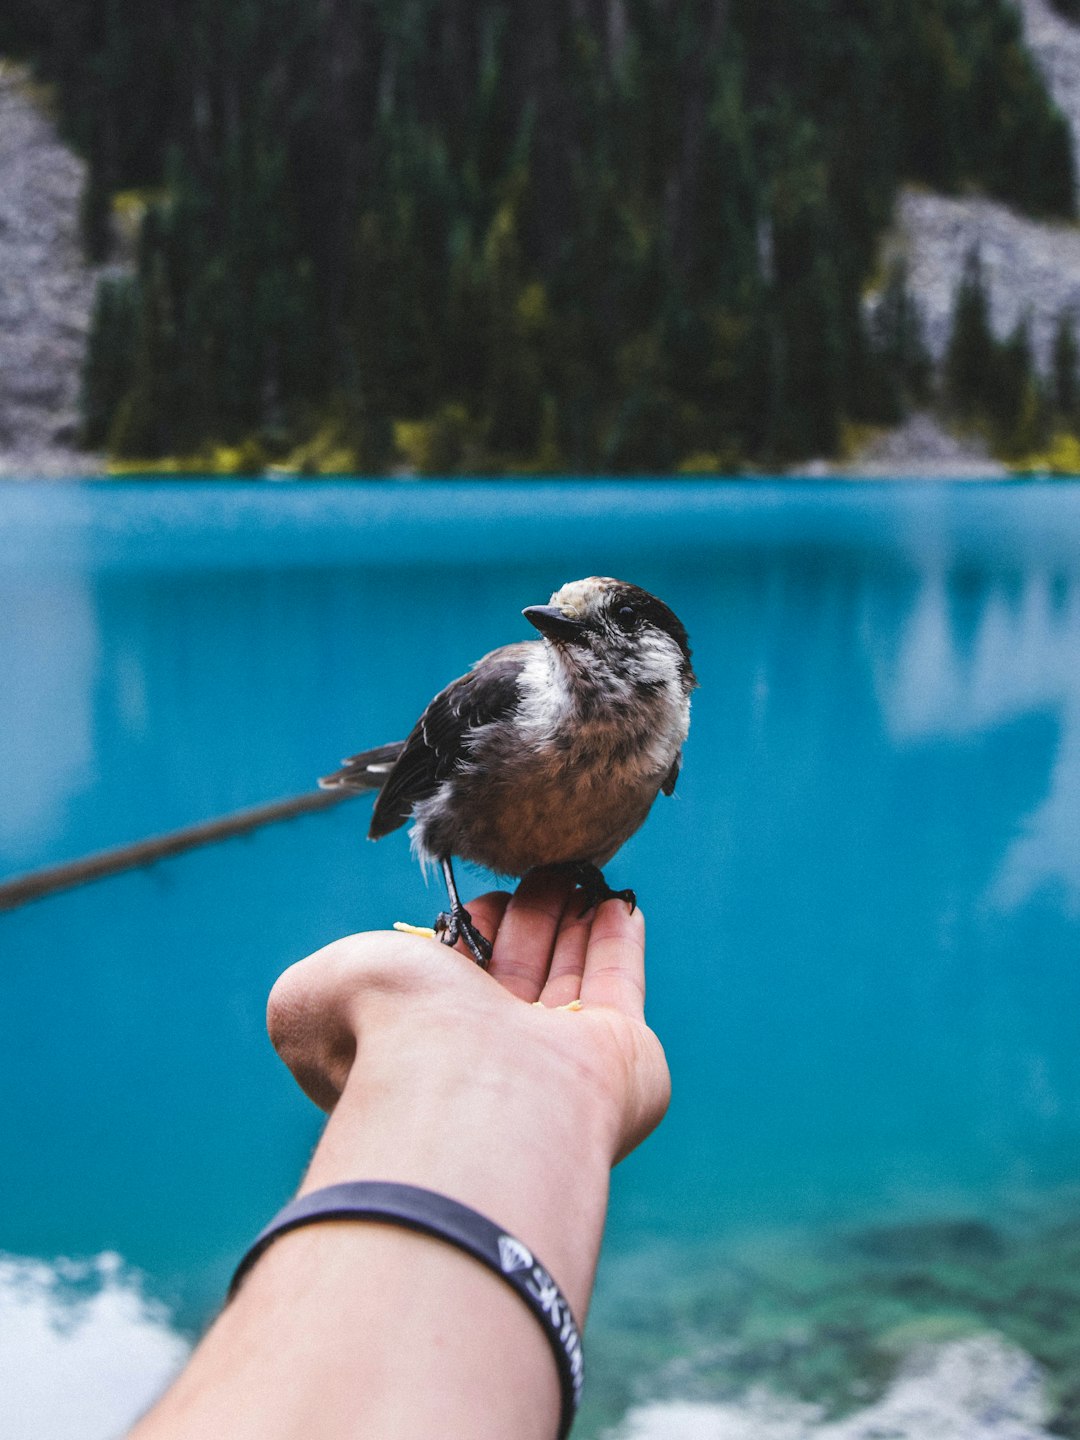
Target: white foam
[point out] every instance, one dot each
(975, 1389)
(83, 1351)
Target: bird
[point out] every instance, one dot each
(547, 752)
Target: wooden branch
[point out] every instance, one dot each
(39, 883)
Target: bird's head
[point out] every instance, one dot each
(609, 624)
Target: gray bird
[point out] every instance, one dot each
(548, 752)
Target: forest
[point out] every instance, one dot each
(524, 235)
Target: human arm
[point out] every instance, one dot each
(440, 1076)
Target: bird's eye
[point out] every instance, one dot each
(625, 616)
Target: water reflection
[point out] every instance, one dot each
(50, 653)
(978, 654)
(863, 901)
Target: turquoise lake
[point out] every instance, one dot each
(863, 906)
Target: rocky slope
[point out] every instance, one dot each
(46, 290)
(921, 448)
(1032, 269)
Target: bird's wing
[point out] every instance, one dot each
(366, 771)
(440, 738)
(668, 786)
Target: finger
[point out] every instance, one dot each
(615, 960)
(526, 938)
(487, 913)
(563, 983)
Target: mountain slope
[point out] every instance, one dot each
(46, 289)
(1032, 268)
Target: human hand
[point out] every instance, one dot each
(384, 994)
(483, 1087)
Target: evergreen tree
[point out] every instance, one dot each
(971, 357)
(898, 368)
(534, 227)
(109, 367)
(1013, 399)
(1064, 379)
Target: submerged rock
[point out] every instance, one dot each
(930, 1240)
(974, 1389)
(836, 1331)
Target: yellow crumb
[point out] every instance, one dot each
(406, 929)
(574, 1005)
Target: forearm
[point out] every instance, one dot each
(364, 1330)
(518, 1136)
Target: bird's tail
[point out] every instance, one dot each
(366, 771)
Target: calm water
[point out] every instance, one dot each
(864, 902)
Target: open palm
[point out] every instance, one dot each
(564, 996)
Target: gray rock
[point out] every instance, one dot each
(921, 448)
(46, 290)
(1032, 268)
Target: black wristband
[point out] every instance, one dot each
(445, 1219)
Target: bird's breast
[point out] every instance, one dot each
(521, 801)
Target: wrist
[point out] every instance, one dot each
(511, 1130)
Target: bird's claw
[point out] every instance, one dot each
(458, 925)
(595, 889)
(597, 897)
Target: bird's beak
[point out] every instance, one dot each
(554, 623)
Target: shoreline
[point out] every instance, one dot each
(920, 449)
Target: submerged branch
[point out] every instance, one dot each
(39, 883)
